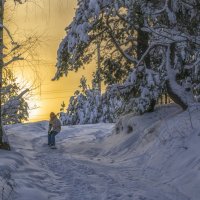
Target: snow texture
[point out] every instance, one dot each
(150, 157)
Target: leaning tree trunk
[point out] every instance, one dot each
(1, 65)
(142, 46)
(175, 97)
(175, 91)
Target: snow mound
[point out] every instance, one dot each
(135, 131)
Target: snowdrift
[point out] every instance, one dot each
(164, 148)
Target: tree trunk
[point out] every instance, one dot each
(161, 97)
(175, 91)
(142, 46)
(1, 65)
(166, 98)
(176, 98)
(142, 42)
(99, 66)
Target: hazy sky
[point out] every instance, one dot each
(48, 19)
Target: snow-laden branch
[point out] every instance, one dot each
(15, 109)
(158, 12)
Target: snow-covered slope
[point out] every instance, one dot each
(151, 157)
(163, 149)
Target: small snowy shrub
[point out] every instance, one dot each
(14, 105)
(89, 106)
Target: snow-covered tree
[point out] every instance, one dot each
(89, 106)
(7, 57)
(160, 40)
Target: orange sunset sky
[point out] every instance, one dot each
(47, 19)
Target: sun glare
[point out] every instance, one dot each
(33, 114)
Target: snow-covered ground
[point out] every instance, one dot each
(151, 157)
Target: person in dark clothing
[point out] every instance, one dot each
(54, 129)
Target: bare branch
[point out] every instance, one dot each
(14, 59)
(9, 34)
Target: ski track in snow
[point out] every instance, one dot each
(91, 163)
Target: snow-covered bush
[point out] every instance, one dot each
(14, 106)
(89, 106)
(160, 40)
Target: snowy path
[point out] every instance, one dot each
(159, 160)
(62, 175)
